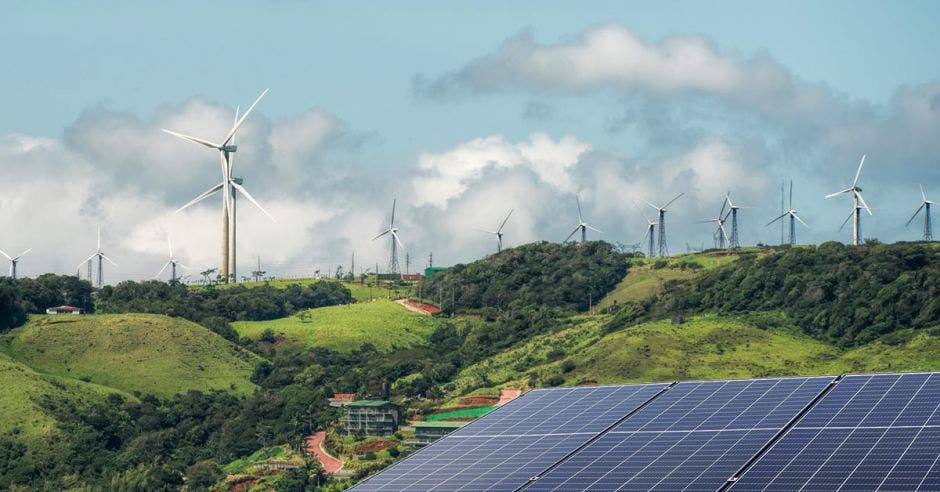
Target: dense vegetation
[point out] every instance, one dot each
(566, 276)
(34, 295)
(842, 294)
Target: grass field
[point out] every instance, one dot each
(131, 352)
(703, 347)
(383, 323)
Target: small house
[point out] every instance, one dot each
(342, 399)
(428, 432)
(64, 310)
(371, 418)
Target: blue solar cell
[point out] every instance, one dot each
(877, 432)
(504, 449)
(692, 437)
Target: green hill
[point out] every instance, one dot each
(20, 412)
(131, 352)
(383, 323)
(706, 346)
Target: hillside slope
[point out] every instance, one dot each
(132, 352)
(384, 324)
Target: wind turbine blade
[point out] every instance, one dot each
(23, 253)
(99, 238)
(847, 190)
(922, 194)
(485, 232)
(380, 235)
(922, 205)
(648, 221)
(162, 269)
(201, 197)
(723, 204)
(394, 235)
(576, 229)
(707, 221)
(650, 204)
(87, 259)
(791, 195)
(4, 254)
(797, 217)
(504, 221)
(673, 200)
(241, 120)
(170, 244)
(859, 195)
(648, 231)
(846, 221)
(579, 208)
(859, 172)
(109, 259)
(193, 139)
(721, 227)
(778, 218)
(184, 266)
(593, 228)
(241, 189)
(394, 202)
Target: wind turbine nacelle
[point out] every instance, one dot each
(238, 180)
(229, 148)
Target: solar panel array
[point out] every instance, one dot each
(875, 432)
(503, 449)
(879, 432)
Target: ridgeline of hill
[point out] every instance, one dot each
(134, 353)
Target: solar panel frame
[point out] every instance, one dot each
(685, 437)
(515, 449)
(870, 432)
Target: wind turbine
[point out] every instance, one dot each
(498, 232)
(393, 258)
(172, 263)
(650, 231)
(100, 256)
(924, 205)
(793, 218)
(857, 203)
(228, 186)
(582, 225)
(13, 261)
(733, 242)
(720, 220)
(663, 250)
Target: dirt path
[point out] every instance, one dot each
(315, 447)
(418, 307)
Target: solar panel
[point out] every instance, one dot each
(692, 437)
(503, 449)
(878, 432)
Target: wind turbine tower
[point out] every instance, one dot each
(228, 187)
(857, 204)
(650, 232)
(172, 263)
(733, 242)
(793, 218)
(924, 205)
(582, 225)
(100, 257)
(498, 232)
(395, 242)
(13, 261)
(663, 249)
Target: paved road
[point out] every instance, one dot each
(315, 447)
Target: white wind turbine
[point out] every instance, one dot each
(100, 256)
(650, 231)
(393, 258)
(925, 206)
(720, 220)
(582, 225)
(498, 232)
(228, 186)
(857, 204)
(172, 263)
(13, 261)
(793, 218)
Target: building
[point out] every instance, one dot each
(412, 277)
(342, 399)
(430, 271)
(64, 310)
(371, 418)
(428, 432)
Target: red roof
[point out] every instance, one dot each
(66, 308)
(344, 396)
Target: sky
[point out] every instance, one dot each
(460, 111)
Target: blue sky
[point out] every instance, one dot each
(74, 67)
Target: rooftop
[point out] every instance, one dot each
(369, 403)
(439, 424)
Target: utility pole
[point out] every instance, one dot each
(431, 259)
(352, 265)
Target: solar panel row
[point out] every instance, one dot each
(862, 433)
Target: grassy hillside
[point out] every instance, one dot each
(384, 324)
(646, 277)
(131, 352)
(706, 346)
(361, 292)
